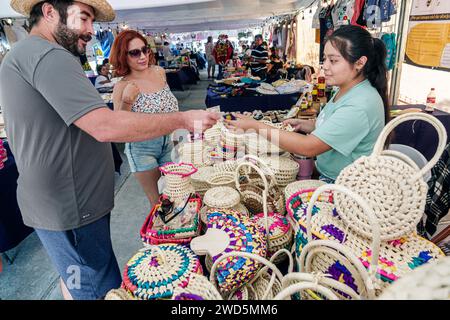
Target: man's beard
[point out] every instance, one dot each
(68, 39)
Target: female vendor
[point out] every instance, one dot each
(349, 125)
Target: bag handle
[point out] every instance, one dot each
(376, 233)
(323, 279)
(298, 287)
(442, 136)
(342, 254)
(265, 191)
(247, 255)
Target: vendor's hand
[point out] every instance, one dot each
(196, 120)
(300, 125)
(130, 93)
(242, 123)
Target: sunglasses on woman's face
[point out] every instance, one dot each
(136, 53)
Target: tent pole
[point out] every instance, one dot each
(402, 36)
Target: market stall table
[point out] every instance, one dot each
(421, 135)
(176, 78)
(12, 229)
(251, 103)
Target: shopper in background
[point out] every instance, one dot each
(349, 125)
(60, 131)
(103, 78)
(273, 69)
(209, 48)
(258, 60)
(143, 89)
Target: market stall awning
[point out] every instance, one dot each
(192, 15)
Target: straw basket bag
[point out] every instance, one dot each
(152, 233)
(196, 152)
(252, 185)
(285, 169)
(178, 183)
(199, 180)
(277, 228)
(366, 264)
(258, 145)
(429, 282)
(118, 294)
(265, 285)
(222, 197)
(297, 186)
(227, 233)
(221, 179)
(154, 272)
(198, 288)
(392, 184)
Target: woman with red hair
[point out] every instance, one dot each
(143, 89)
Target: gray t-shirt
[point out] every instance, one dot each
(66, 177)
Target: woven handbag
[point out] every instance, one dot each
(150, 234)
(326, 244)
(429, 282)
(221, 179)
(393, 186)
(178, 183)
(118, 294)
(155, 271)
(299, 186)
(253, 184)
(227, 233)
(199, 180)
(285, 170)
(198, 288)
(267, 283)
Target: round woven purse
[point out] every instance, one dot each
(393, 187)
(285, 170)
(262, 286)
(155, 271)
(367, 265)
(221, 179)
(265, 285)
(178, 183)
(429, 282)
(199, 179)
(198, 288)
(227, 233)
(118, 294)
(253, 183)
(222, 197)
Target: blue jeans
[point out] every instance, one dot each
(84, 258)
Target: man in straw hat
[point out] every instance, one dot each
(59, 127)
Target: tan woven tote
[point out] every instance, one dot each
(253, 183)
(393, 186)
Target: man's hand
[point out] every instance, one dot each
(199, 120)
(130, 93)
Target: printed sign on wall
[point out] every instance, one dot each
(428, 43)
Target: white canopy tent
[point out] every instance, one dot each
(192, 15)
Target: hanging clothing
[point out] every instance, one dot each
(358, 14)
(384, 8)
(342, 12)
(223, 51)
(391, 48)
(326, 27)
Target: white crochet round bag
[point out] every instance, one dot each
(394, 188)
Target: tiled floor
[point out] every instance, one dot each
(33, 277)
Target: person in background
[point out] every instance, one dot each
(258, 60)
(143, 89)
(349, 125)
(60, 132)
(103, 78)
(166, 51)
(209, 48)
(273, 67)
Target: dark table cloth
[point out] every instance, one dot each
(12, 229)
(421, 135)
(251, 103)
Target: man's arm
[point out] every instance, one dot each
(123, 126)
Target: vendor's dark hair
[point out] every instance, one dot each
(60, 5)
(354, 42)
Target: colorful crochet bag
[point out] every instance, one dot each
(227, 232)
(154, 272)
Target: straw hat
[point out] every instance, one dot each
(103, 10)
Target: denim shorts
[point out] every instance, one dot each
(150, 154)
(84, 258)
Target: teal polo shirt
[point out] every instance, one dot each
(350, 127)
